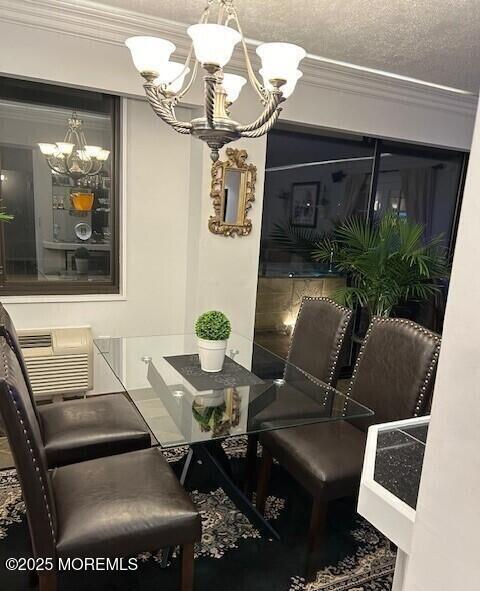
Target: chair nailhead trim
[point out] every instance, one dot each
(419, 329)
(34, 461)
(338, 344)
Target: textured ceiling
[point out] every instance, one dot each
(433, 40)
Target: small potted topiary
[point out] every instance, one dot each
(212, 329)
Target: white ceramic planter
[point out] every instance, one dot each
(212, 354)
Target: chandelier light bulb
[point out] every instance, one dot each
(213, 44)
(233, 85)
(288, 88)
(173, 75)
(149, 54)
(280, 60)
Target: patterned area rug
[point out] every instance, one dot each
(232, 554)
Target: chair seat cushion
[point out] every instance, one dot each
(326, 458)
(122, 505)
(89, 428)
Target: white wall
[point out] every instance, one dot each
(445, 544)
(174, 266)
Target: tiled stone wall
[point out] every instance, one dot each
(279, 298)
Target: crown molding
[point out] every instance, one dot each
(94, 21)
(57, 115)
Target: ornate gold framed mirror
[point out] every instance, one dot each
(233, 191)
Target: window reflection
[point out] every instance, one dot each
(63, 227)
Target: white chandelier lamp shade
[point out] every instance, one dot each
(93, 151)
(280, 60)
(233, 85)
(48, 149)
(172, 75)
(213, 44)
(150, 54)
(103, 155)
(288, 87)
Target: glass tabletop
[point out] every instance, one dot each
(255, 391)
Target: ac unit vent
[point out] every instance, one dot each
(59, 360)
(29, 341)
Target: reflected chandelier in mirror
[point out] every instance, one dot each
(233, 192)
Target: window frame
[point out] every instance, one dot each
(79, 288)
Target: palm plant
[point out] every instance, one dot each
(388, 262)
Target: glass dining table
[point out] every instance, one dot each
(255, 392)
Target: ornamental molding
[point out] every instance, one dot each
(105, 24)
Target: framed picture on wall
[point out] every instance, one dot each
(304, 208)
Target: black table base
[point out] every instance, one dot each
(212, 454)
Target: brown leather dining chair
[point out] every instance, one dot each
(318, 347)
(84, 429)
(118, 506)
(394, 376)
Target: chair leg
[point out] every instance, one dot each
(47, 581)
(188, 555)
(263, 479)
(316, 533)
(251, 464)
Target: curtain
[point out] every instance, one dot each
(354, 192)
(418, 189)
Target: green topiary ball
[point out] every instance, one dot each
(213, 326)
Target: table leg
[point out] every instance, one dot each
(251, 465)
(215, 457)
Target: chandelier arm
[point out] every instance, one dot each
(163, 111)
(257, 86)
(93, 173)
(272, 105)
(52, 166)
(193, 77)
(265, 128)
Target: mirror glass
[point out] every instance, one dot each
(232, 195)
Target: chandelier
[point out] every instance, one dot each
(213, 45)
(74, 157)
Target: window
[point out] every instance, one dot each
(312, 181)
(64, 235)
(316, 180)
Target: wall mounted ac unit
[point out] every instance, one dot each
(59, 360)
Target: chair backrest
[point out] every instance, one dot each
(394, 374)
(8, 331)
(318, 340)
(28, 452)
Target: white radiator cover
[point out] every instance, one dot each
(59, 360)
